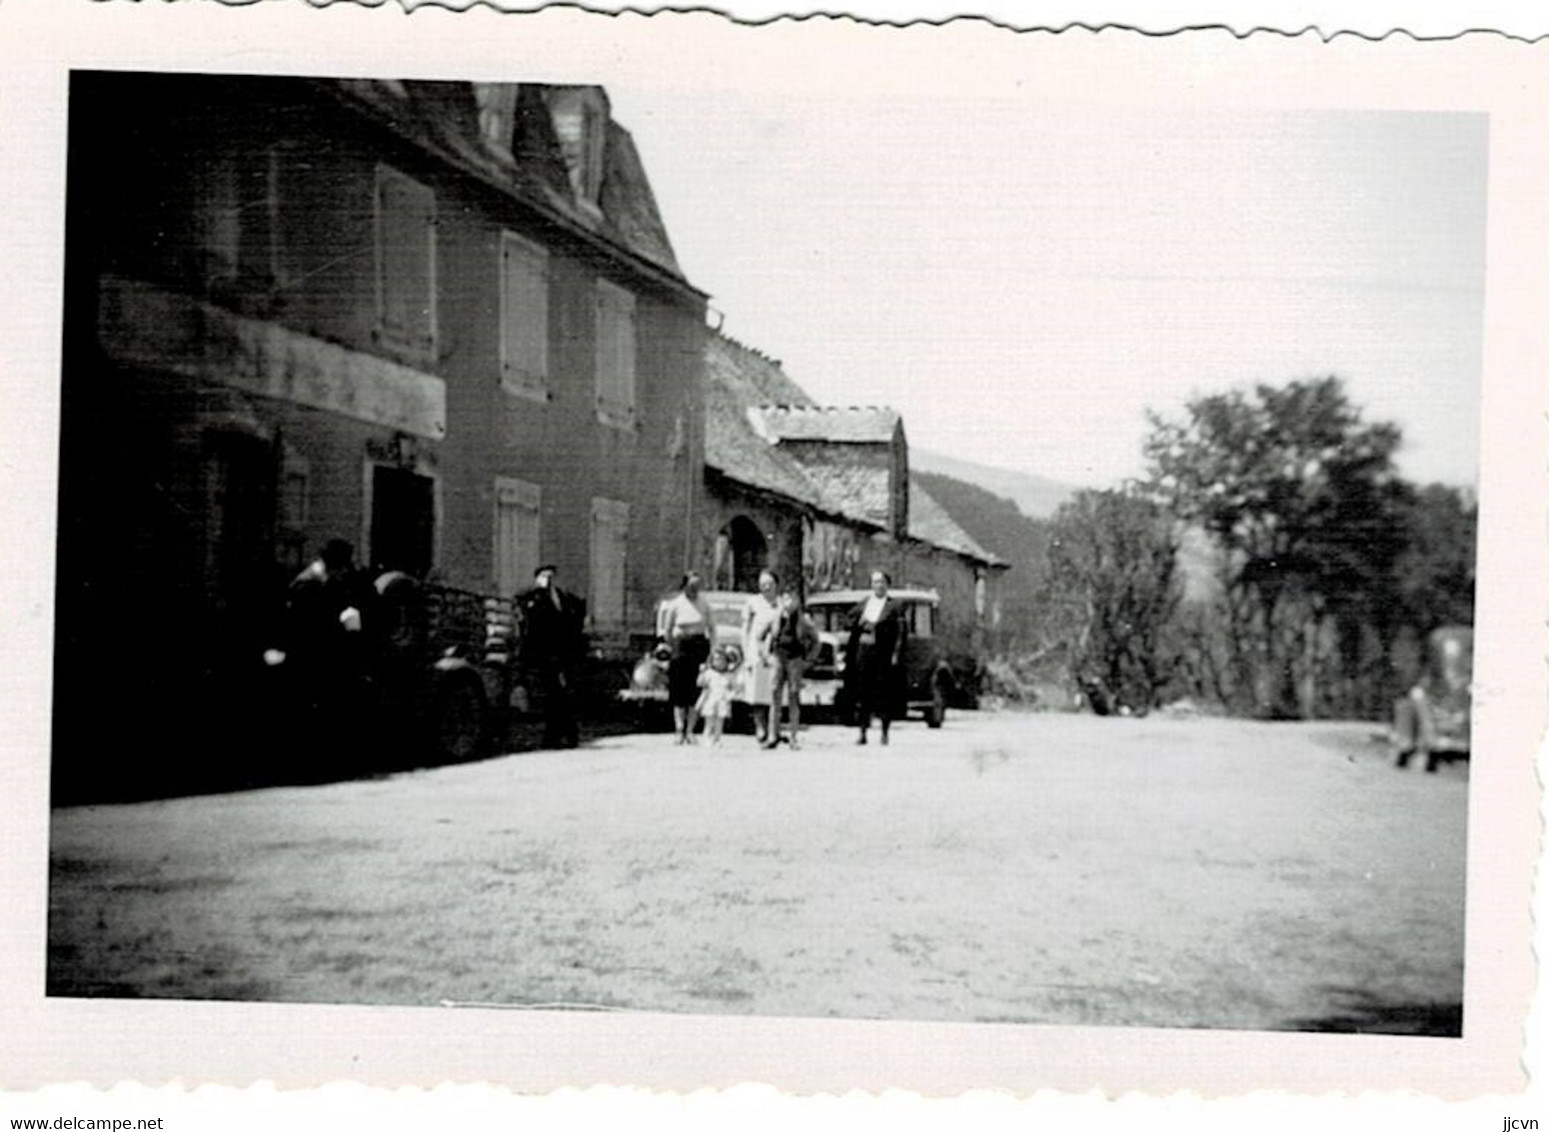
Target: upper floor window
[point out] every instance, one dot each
(524, 316)
(615, 337)
(405, 261)
(241, 210)
(594, 125)
(497, 114)
(580, 115)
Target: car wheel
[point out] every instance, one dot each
(936, 713)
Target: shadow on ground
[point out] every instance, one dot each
(259, 756)
(1360, 1012)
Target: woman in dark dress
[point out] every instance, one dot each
(872, 655)
(686, 628)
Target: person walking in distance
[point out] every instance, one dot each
(872, 655)
(794, 640)
(553, 641)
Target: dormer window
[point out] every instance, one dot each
(497, 115)
(589, 176)
(581, 125)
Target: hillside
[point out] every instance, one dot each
(1000, 526)
(1036, 496)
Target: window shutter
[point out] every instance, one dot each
(518, 511)
(610, 552)
(406, 259)
(615, 354)
(524, 314)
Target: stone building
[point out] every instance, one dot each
(824, 494)
(440, 320)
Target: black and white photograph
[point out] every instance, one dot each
(599, 542)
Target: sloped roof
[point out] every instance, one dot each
(930, 522)
(833, 424)
(850, 481)
(744, 387)
(738, 380)
(761, 379)
(629, 205)
(442, 117)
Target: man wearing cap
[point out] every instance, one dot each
(553, 642)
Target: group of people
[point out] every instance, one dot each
(778, 641)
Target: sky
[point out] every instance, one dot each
(1023, 285)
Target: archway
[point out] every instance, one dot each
(749, 552)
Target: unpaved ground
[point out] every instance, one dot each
(1060, 869)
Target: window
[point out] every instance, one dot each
(241, 218)
(405, 261)
(524, 316)
(920, 619)
(518, 511)
(610, 550)
(593, 126)
(497, 114)
(403, 520)
(615, 355)
(580, 117)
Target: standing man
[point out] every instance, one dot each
(553, 641)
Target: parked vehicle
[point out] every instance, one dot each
(1433, 720)
(928, 678)
(728, 609)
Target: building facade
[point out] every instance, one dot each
(442, 321)
(823, 494)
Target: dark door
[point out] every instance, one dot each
(403, 521)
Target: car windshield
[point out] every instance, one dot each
(919, 616)
(829, 619)
(922, 619)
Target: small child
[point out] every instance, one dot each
(718, 681)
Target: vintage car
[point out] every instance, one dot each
(1433, 720)
(648, 683)
(928, 678)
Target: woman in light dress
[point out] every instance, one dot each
(757, 659)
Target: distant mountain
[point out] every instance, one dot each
(993, 521)
(1036, 496)
(1001, 527)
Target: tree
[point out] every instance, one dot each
(1436, 568)
(1300, 494)
(1113, 587)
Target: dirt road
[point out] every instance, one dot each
(1039, 868)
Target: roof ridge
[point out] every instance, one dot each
(733, 340)
(842, 408)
